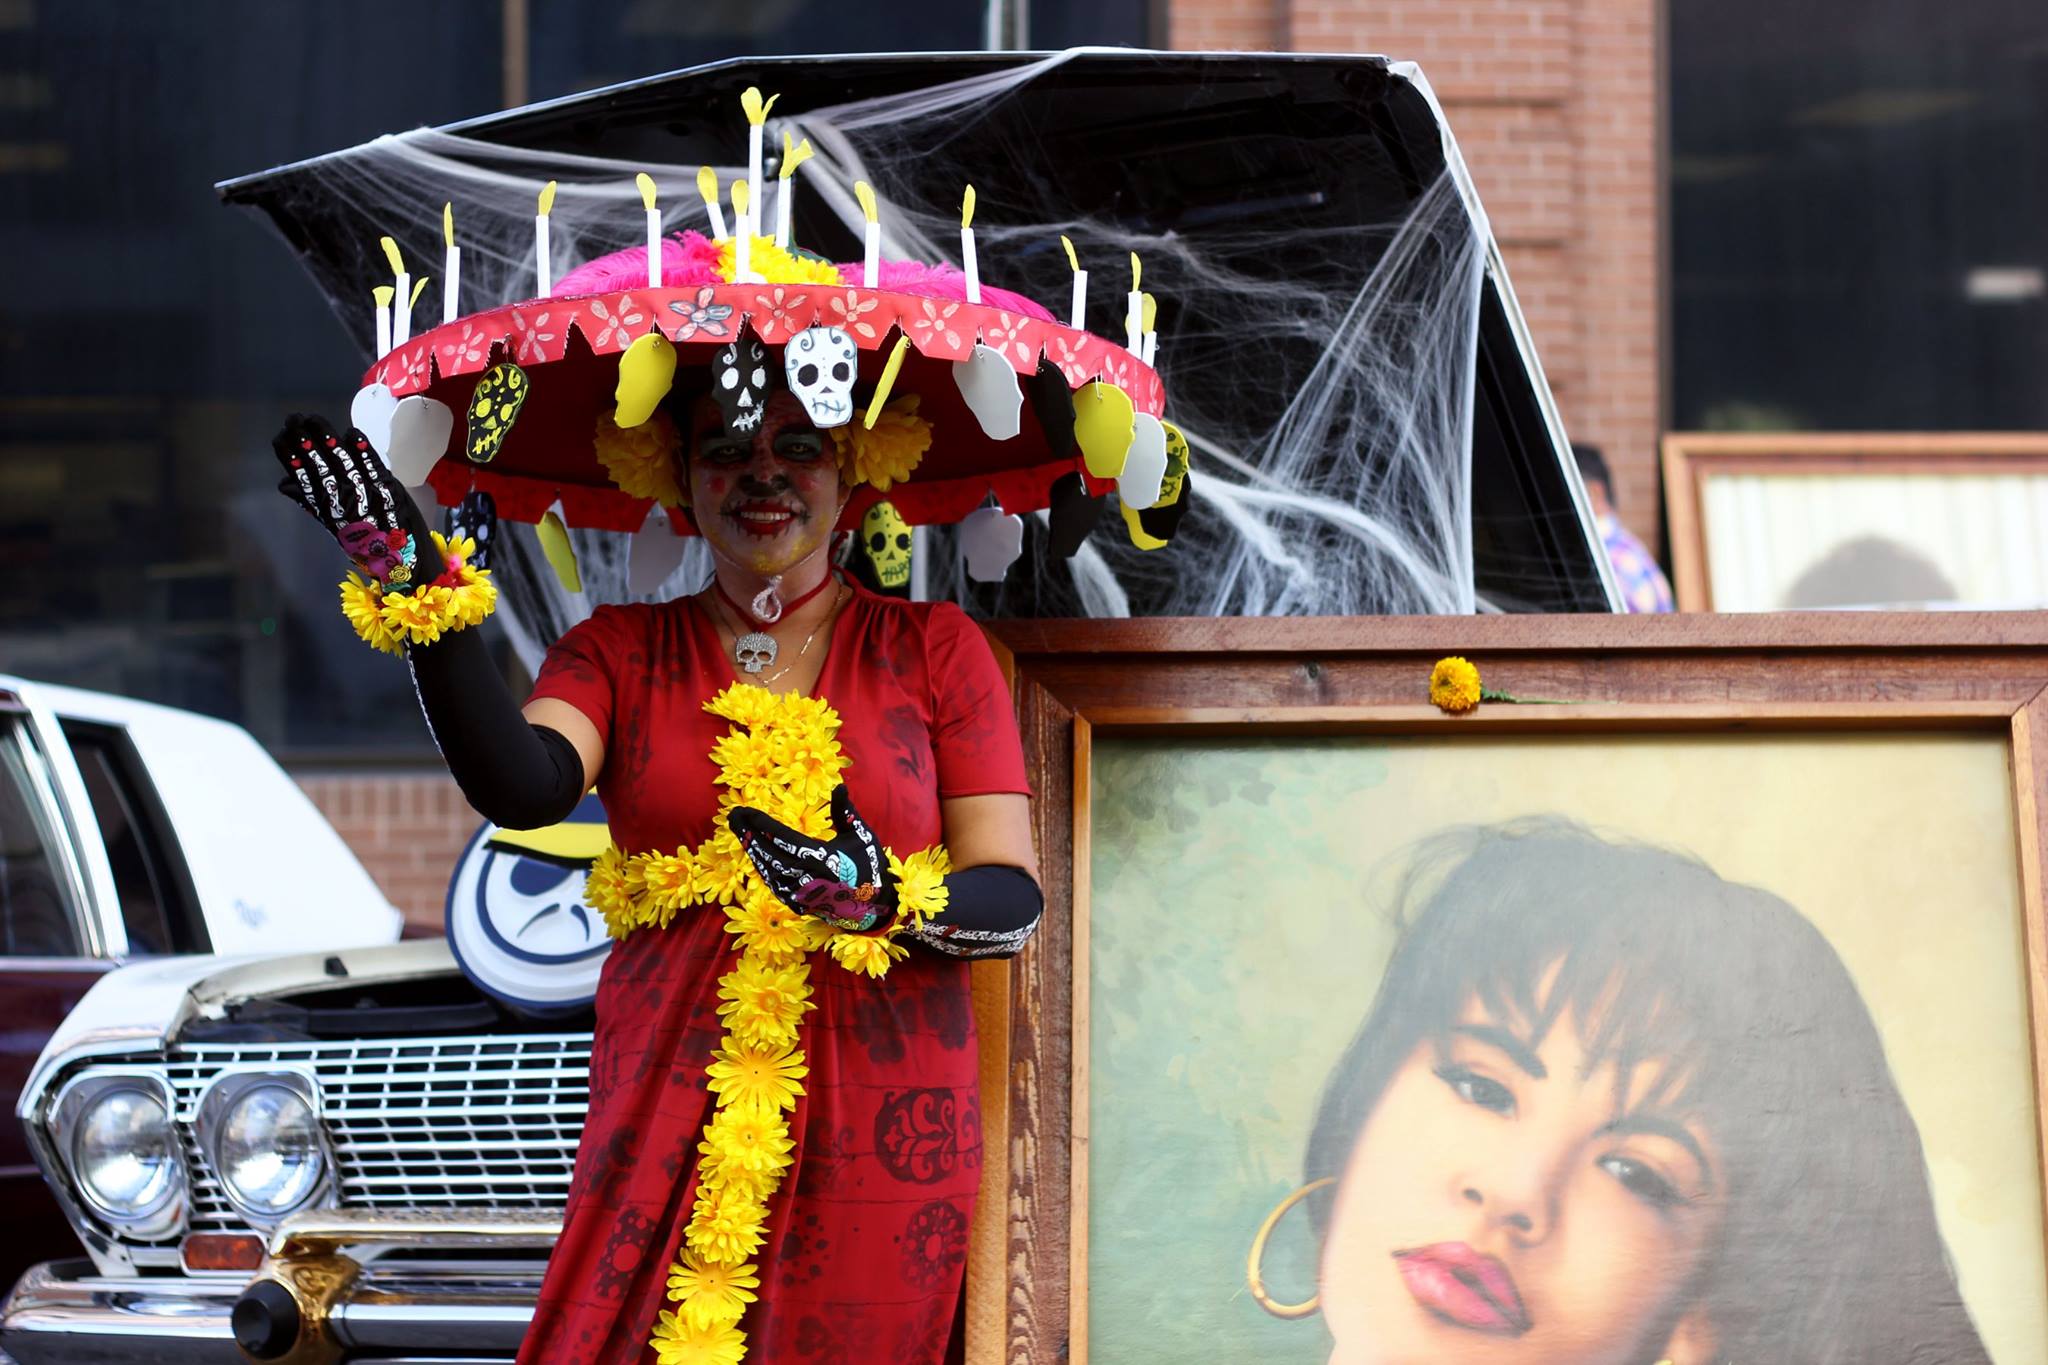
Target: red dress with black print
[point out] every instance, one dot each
(867, 1235)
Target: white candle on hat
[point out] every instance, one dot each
(451, 265)
(743, 233)
(1151, 335)
(383, 294)
(707, 186)
(1077, 312)
(1134, 309)
(967, 261)
(646, 184)
(871, 248)
(793, 156)
(757, 114)
(401, 293)
(543, 267)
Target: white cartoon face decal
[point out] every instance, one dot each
(819, 364)
(516, 916)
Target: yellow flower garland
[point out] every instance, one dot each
(781, 757)
(391, 620)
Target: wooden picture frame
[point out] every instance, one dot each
(1692, 459)
(1078, 682)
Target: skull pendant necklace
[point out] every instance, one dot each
(754, 651)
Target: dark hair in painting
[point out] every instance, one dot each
(1829, 1252)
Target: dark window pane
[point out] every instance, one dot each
(1857, 200)
(150, 877)
(35, 903)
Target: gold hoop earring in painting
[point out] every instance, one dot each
(1251, 1270)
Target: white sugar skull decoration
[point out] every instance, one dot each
(739, 380)
(819, 363)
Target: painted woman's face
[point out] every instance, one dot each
(1506, 1204)
(767, 499)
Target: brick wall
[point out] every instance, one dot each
(1555, 105)
(407, 827)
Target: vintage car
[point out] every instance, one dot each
(353, 1152)
(130, 831)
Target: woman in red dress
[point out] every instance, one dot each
(866, 1237)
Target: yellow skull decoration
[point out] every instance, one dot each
(885, 535)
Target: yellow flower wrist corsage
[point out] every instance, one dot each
(390, 620)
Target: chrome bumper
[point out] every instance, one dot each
(324, 1295)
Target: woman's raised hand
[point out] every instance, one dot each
(845, 882)
(346, 487)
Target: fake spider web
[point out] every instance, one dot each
(1322, 375)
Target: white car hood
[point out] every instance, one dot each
(142, 1007)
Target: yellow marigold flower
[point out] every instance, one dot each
(763, 1004)
(888, 452)
(677, 1342)
(418, 616)
(665, 879)
(475, 597)
(865, 954)
(725, 1225)
(767, 1078)
(921, 883)
(604, 891)
(361, 603)
(722, 867)
(1454, 685)
(775, 264)
(742, 704)
(454, 548)
(767, 929)
(712, 1295)
(747, 1142)
(641, 460)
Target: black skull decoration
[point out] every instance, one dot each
(739, 380)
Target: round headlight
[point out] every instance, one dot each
(125, 1153)
(268, 1150)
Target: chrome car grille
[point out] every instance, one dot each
(417, 1122)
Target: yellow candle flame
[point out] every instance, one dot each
(391, 255)
(448, 224)
(1072, 259)
(1137, 272)
(757, 112)
(547, 199)
(886, 382)
(418, 286)
(707, 184)
(646, 184)
(866, 194)
(793, 157)
(967, 208)
(1151, 313)
(739, 195)
(383, 293)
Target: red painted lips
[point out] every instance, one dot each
(1464, 1287)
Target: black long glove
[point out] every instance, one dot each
(515, 774)
(991, 911)
(346, 487)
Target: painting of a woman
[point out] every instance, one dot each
(1608, 1108)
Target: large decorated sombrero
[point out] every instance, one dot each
(941, 394)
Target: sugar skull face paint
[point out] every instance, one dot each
(768, 499)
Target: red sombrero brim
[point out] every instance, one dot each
(569, 349)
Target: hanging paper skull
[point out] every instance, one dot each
(819, 363)
(739, 380)
(886, 538)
